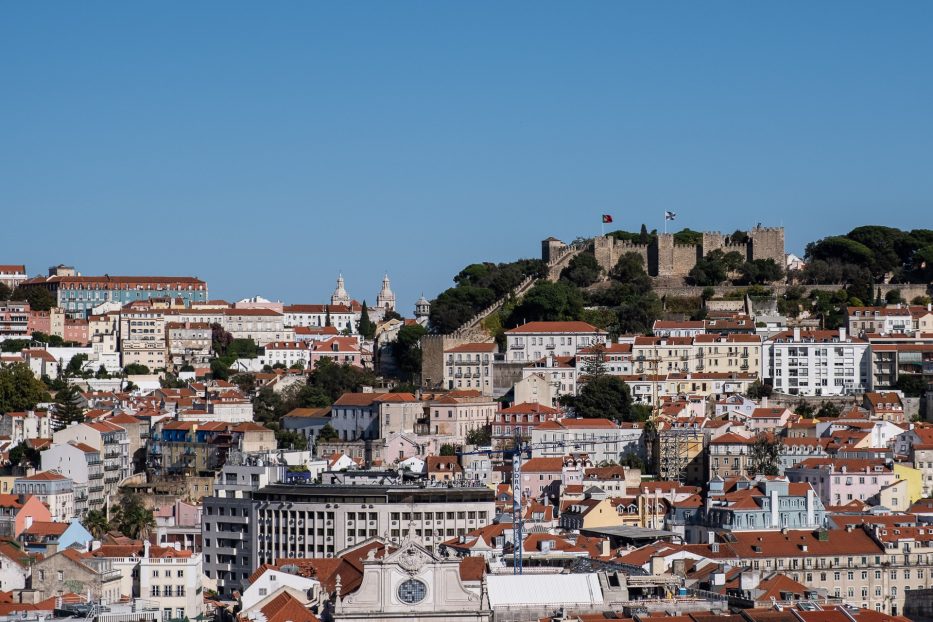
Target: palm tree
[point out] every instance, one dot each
(96, 522)
(133, 518)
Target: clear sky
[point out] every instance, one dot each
(265, 146)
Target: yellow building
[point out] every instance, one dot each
(914, 479)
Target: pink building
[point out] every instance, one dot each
(840, 480)
(340, 349)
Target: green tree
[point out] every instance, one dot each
(132, 517)
(291, 439)
(5, 292)
(688, 237)
(606, 397)
(24, 455)
(39, 299)
(220, 369)
(135, 369)
(643, 237)
(828, 410)
(582, 270)
(481, 436)
(68, 408)
(19, 389)
(334, 379)
(220, 339)
(327, 433)
(407, 350)
(764, 456)
(760, 272)
(102, 372)
(596, 366)
(548, 302)
(630, 270)
(804, 410)
(894, 297)
(76, 364)
(913, 385)
(245, 382)
(366, 327)
(96, 522)
(758, 390)
(448, 450)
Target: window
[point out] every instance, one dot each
(61, 575)
(262, 591)
(412, 591)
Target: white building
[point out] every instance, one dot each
(601, 439)
(820, 362)
(271, 581)
(469, 366)
(286, 353)
(83, 465)
(172, 579)
(535, 340)
(340, 316)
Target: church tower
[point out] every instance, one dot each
(422, 308)
(340, 296)
(386, 298)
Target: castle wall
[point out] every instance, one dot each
(767, 243)
(608, 250)
(675, 259)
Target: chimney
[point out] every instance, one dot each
(605, 549)
(796, 333)
(842, 333)
(28, 522)
(775, 514)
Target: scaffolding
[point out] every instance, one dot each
(676, 448)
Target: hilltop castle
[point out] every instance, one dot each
(665, 258)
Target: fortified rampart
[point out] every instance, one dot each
(664, 257)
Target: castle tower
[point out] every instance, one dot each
(340, 296)
(422, 308)
(386, 298)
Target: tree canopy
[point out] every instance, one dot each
(407, 350)
(19, 389)
(607, 397)
(582, 270)
(548, 302)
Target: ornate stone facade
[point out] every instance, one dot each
(416, 585)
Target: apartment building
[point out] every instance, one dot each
(112, 443)
(21, 426)
(469, 366)
(51, 488)
(172, 580)
(261, 325)
(367, 416)
(310, 520)
(535, 340)
(818, 362)
(883, 320)
(340, 316)
(78, 295)
(14, 319)
(287, 353)
(142, 337)
(84, 466)
(838, 481)
(729, 455)
(703, 353)
(602, 440)
(562, 372)
(459, 412)
(520, 420)
(12, 275)
(188, 343)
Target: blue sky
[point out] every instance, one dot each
(266, 146)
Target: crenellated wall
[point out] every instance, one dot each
(667, 259)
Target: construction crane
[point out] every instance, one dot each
(522, 449)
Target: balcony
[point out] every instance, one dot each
(114, 466)
(550, 346)
(517, 346)
(95, 488)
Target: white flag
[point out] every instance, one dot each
(670, 215)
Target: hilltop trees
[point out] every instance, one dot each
(19, 389)
(878, 251)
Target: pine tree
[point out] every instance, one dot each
(327, 317)
(68, 407)
(643, 235)
(366, 327)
